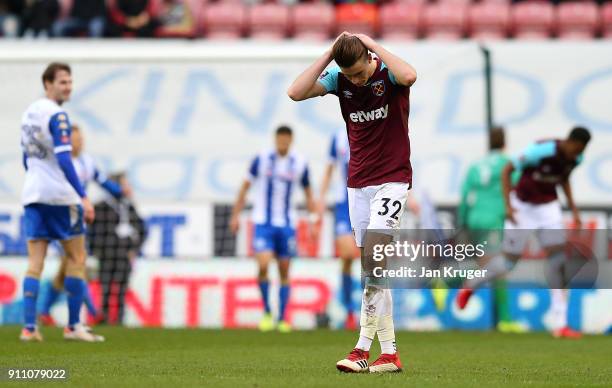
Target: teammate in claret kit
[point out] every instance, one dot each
(533, 206)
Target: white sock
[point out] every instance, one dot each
(555, 270)
(558, 306)
(388, 347)
(386, 329)
(364, 343)
(371, 306)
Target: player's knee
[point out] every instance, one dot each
(35, 268)
(73, 260)
(346, 250)
(263, 271)
(372, 292)
(75, 269)
(58, 280)
(346, 265)
(283, 268)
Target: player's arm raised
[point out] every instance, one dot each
(403, 72)
(305, 85)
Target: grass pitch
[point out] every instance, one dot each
(241, 358)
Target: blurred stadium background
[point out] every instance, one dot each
(184, 116)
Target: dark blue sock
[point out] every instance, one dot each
(88, 300)
(74, 290)
(50, 299)
(263, 287)
(30, 293)
(283, 297)
(347, 292)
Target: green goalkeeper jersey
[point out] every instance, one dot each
(482, 201)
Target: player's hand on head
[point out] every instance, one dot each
(367, 41)
(344, 33)
(89, 214)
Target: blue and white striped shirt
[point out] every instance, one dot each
(274, 179)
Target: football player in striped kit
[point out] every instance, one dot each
(54, 200)
(87, 171)
(274, 174)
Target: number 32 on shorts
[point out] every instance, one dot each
(394, 208)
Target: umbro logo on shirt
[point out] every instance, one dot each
(361, 116)
(347, 94)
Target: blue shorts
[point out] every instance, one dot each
(53, 222)
(280, 240)
(342, 223)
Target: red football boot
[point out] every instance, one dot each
(46, 320)
(355, 362)
(463, 297)
(386, 363)
(566, 332)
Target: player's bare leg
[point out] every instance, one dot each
(376, 317)
(558, 295)
(283, 270)
(381, 302)
(357, 359)
(497, 268)
(73, 284)
(505, 324)
(57, 286)
(37, 250)
(263, 260)
(346, 251)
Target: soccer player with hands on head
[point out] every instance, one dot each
(373, 91)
